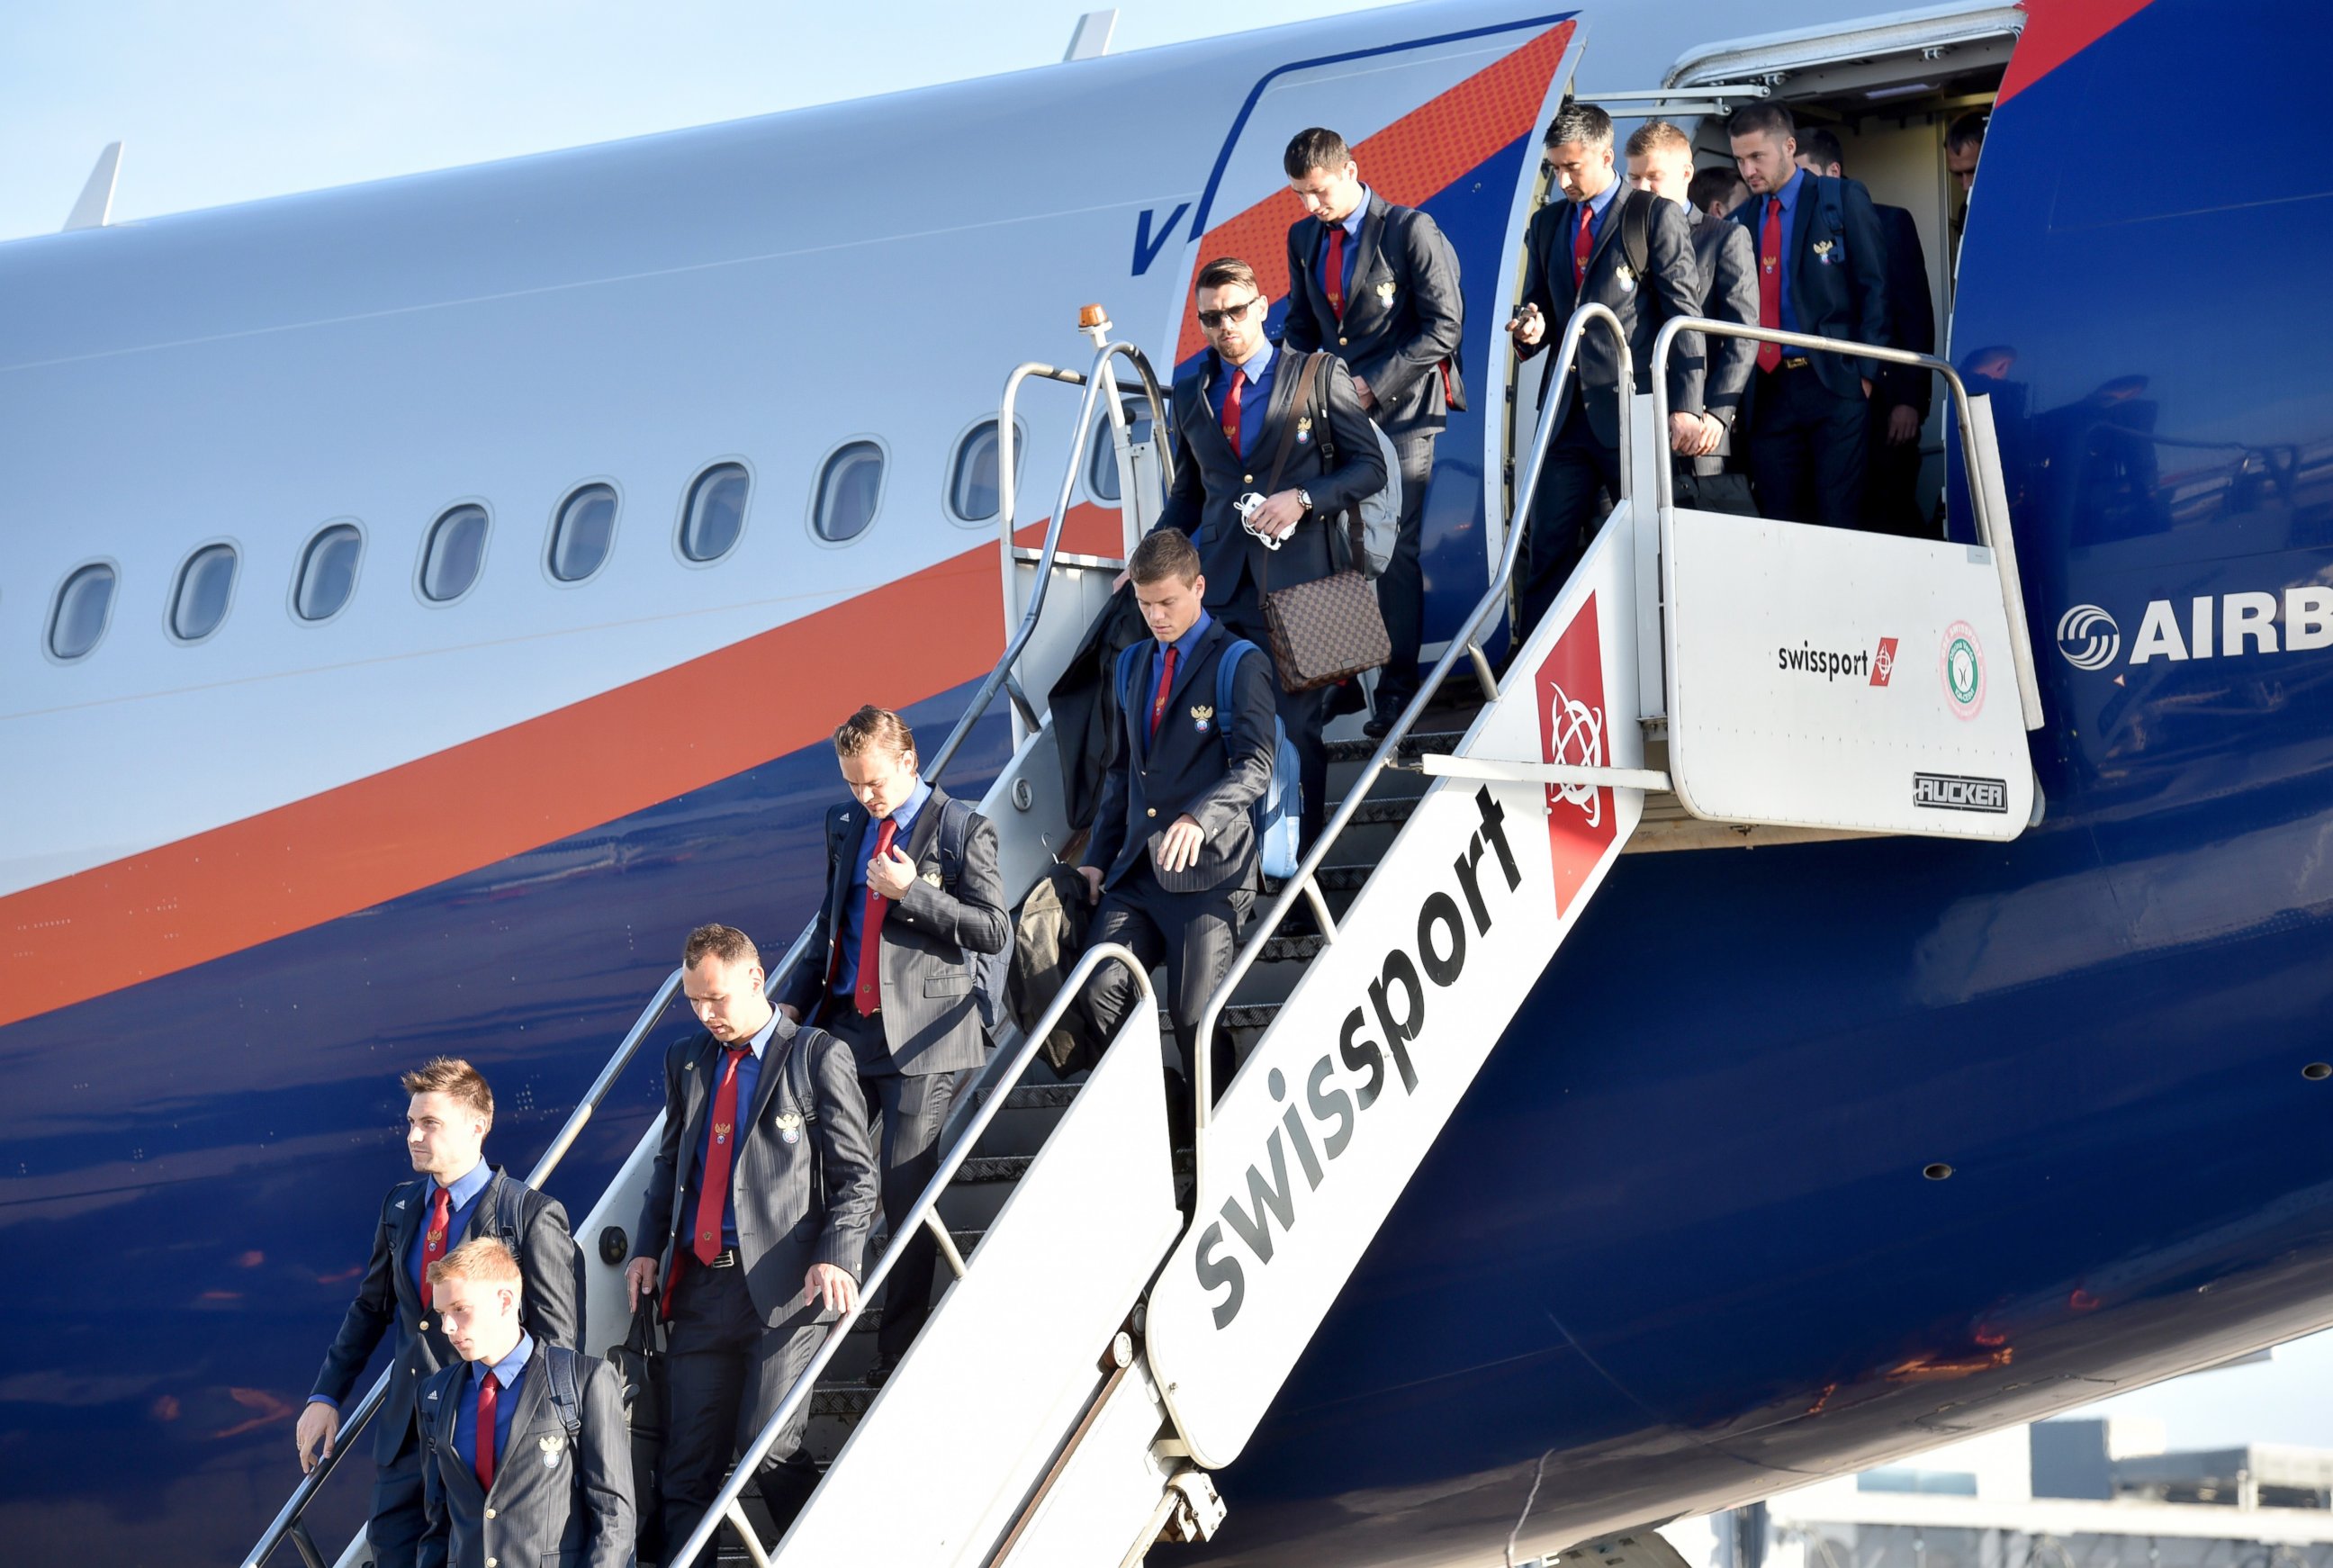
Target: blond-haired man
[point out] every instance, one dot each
(526, 1456)
(455, 1196)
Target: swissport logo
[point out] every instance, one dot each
(1883, 663)
(2088, 637)
(1581, 822)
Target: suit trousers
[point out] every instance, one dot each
(1194, 935)
(1807, 456)
(1720, 492)
(1303, 714)
(725, 1373)
(1401, 587)
(1578, 472)
(911, 1109)
(394, 1529)
(1891, 486)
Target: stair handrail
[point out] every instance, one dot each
(1485, 611)
(924, 1214)
(1008, 497)
(1994, 532)
(288, 1518)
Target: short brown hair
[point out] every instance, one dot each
(1226, 269)
(1760, 118)
(1657, 136)
(872, 726)
(726, 943)
(1164, 553)
(453, 1077)
(1319, 148)
(486, 1259)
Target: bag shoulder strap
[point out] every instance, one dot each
(1226, 668)
(1635, 226)
(956, 824)
(559, 1363)
(797, 1070)
(1302, 400)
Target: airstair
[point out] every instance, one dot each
(1098, 1350)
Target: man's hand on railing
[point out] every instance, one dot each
(1693, 435)
(640, 1280)
(318, 1429)
(833, 1285)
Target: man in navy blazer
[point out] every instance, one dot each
(1822, 270)
(1173, 856)
(1377, 285)
(1232, 415)
(527, 1458)
(913, 901)
(1579, 251)
(458, 1196)
(755, 1218)
(1901, 395)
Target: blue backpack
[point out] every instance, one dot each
(1278, 813)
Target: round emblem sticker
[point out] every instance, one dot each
(1962, 665)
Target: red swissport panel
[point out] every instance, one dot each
(1409, 162)
(536, 782)
(2055, 32)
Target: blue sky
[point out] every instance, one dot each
(221, 102)
(228, 101)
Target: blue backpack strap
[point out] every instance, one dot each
(1227, 702)
(559, 1363)
(956, 818)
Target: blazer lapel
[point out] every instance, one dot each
(1801, 247)
(534, 1393)
(1609, 233)
(446, 1414)
(404, 1225)
(854, 829)
(1211, 638)
(1365, 259)
(1205, 411)
(705, 1074)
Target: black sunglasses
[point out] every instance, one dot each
(1211, 320)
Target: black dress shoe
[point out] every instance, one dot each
(1380, 726)
(881, 1372)
(1346, 697)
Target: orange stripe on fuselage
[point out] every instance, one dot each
(538, 781)
(2055, 32)
(1409, 162)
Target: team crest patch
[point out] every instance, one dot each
(1304, 430)
(790, 1126)
(932, 877)
(1202, 716)
(1385, 291)
(553, 1445)
(720, 1133)
(1822, 251)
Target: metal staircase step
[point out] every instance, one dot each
(1255, 1016)
(1034, 1096)
(1411, 745)
(1282, 949)
(988, 1168)
(1393, 810)
(1342, 878)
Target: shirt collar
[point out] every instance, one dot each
(905, 815)
(1183, 644)
(465, 1187)
(506, 1370)
(1603, 199)
(1353, 219)
(762, 1035)
(1791, 189)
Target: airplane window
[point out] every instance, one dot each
(1101, 465)
(457, 549)
(973, 491)
(583, 532)
(205, 586)
(327, 571)
(83, 606)
(717, 512)
(849, 489)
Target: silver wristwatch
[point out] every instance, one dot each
(1304, 499)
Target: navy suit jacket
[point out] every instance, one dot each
(555, 1503)
(1404, 318)
(1729, 280)
(1186, 769)
(1643, 305)
(1911, 313)
(1836, 269)
(1209, 478)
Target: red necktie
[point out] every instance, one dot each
(1165, 681)
(490, 1390)
(866, 996)
(433, 1244)
(1769, 283)
(1580, 245)
(712, 1184)
(1232, 410)
(1332, 271)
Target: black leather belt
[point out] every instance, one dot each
(1797, 362)
(726, 1258)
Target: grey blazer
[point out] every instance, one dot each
(554, 1504)
(1729, 281)
(931, 1018)
(1404, 320)
(811, 1200)
(1643, 305)
(535, 1226)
